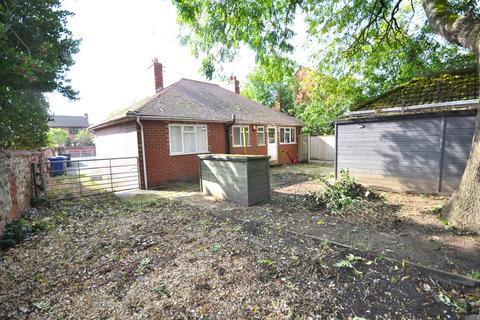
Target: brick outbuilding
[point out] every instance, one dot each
(169, 129)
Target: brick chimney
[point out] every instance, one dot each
(158, 72)
(237, 84)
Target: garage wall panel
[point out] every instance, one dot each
(406, 154)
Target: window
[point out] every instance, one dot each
(288, 136)
(260, 136)
(238, 136)
(73, 130)
(187, 139)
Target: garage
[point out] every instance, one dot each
(420, 153)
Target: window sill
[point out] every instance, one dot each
(282, 143)
(187, 154)
(261, 145)
(248, 146)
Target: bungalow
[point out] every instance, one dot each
(169, 129)
(415, 138)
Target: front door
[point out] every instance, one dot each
(272, 143)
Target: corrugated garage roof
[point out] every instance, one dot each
(454, 85)
(201, 101)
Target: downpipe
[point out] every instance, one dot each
(143, 154)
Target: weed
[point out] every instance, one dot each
(15, 232)
(117, 257)
(474, 274)
(337, 197)
(144, 263)
(216, 247)
(437, 209)
(42, 306)
(266, 262)
(161, 290)
(350, 260)
(446, 300)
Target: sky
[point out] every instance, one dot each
(119, 41)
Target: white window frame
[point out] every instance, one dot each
(241, 134)
(292, 132)
(183, 125)
(264, 136)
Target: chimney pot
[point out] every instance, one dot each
(236, 83)
(158, 72)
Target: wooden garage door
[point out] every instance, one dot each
(406, 154)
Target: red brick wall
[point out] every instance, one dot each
(292, 149)
(163, 168)
(288, 151)
(254, 148)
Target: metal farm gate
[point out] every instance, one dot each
(64, 179)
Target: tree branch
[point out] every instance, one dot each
(463, 30)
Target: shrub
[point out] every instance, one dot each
(336, 197)
(17, 230)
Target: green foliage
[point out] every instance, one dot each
(378, 43)
(316, 99)
(143, 264)
(23, 120)
(474, 275)
(57, 137)
(85, 138)
(339, 196)
(266, 262)
(36, 47)
(17, 230)
(349, 262)
(36, 53)
(325, 99)
(269, 88)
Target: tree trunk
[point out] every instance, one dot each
(463, 208)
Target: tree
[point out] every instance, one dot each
(57, 137)
(84, 138)
(36, 51)
(357, 29)
(463, 29)
(314, 98)
(21, 124)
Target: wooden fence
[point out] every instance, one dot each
(322, 148)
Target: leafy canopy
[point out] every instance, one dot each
(362, 48)
(36, 51)
(57, 137)
(84, 138)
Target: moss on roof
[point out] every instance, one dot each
(453, 85)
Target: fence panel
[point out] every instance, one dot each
(322, 148)
(79, 178)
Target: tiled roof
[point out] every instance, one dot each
(201, 101)
(454, 85)
(69, 122)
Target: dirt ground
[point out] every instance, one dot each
(166, 259)
(402, 226)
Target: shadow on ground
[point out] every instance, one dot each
(399, 227)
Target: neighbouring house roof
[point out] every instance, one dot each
(440, 87)
(192, 100)
(69, 122)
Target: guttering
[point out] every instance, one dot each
(227, 132)
(439, 106)
(143, 154)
